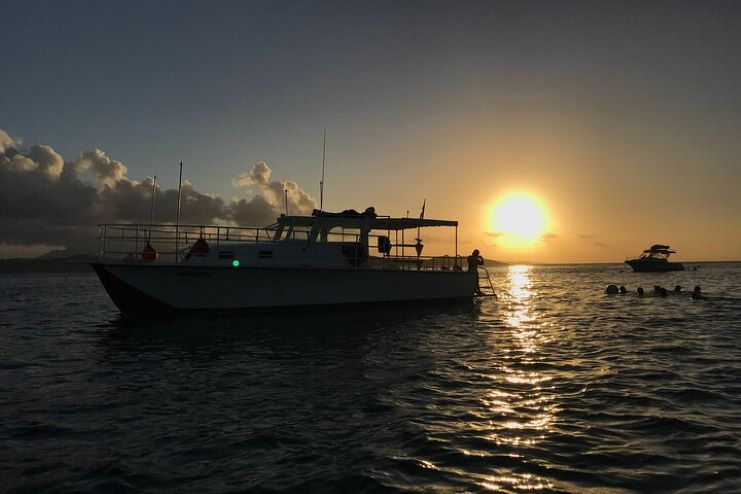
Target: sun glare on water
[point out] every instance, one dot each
(518, 219)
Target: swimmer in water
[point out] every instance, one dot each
(697, 293)
(663, 292)
(678, 289)
(611, 289)
(623, 290)
(640, 291)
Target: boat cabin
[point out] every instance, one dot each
(324, 240)
(657, 252)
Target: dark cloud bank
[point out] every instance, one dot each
(47, 201)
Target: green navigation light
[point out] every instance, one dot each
(235, 263)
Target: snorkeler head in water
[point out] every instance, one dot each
(623, 290)
(677, 288)
(640, 291)
(697, 292)
(611, 289)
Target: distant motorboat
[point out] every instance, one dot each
(655, 259)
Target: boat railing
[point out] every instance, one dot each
(127, 242)
(424, 263)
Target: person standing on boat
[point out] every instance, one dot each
(475, 260)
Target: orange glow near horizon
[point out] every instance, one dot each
(518, 219)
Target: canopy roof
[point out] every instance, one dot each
(659, 249)
(361, 221)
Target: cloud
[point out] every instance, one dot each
(106, 171)
(49, 161)
(271, 199)
(258, 208)
(45, 200)
(6, 141)
(500, 239)
(260, 174)
(492, 238)
(591, 238)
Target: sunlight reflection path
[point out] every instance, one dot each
(522, 413)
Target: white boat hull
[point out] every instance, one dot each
(653, 266)
(175, 287)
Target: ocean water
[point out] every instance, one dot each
(555, 387)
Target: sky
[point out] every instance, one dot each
(623, 119)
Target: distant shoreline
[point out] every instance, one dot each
(524, 263)
(45, 266)
(81, 264)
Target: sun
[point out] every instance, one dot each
(518, 219)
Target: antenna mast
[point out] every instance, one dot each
(321, 182)
(151, 209)
(177, 216)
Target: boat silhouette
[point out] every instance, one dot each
(655, 259)
(299, 261)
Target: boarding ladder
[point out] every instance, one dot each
(485, 286)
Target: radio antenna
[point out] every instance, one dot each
(177, 214)
(321, 182)
(151, 208)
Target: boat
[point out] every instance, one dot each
(324, 259)
(655, 259)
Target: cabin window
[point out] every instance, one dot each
(264, 254)
(339, 234)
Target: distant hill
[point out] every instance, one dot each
(51, 262)
(67, 256)
(492, 262)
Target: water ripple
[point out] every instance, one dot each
(555, 387)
